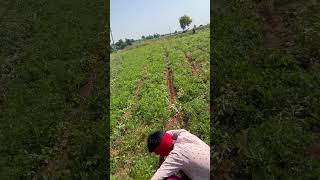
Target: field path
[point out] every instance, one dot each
(178, 119)
(194, 66)
(86, 90)
(169, 81)
(169, 85)
(273, 20)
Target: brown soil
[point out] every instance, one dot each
(204, 50)
(127, 112)
(2, 95)
(177, 119)
(54, 162)
(273, 19)
(174, 121)
(225, 171)
(194, 66)
(170, 88)
(194, 69)
(86, 90)
(169, 81)
(314, 151)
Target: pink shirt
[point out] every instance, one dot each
(189, 154)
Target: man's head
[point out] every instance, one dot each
(160, 143)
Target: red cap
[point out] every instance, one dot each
(165, 145)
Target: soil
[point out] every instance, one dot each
(170, 88)
(204, 50)
(54, 162)
(194, 66)
(177, 119)
(86, 90)
(174, 121)
(273, 19)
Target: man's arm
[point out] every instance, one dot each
(172, 164)
(175, 133)
(183, 175)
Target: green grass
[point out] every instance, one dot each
(266, 93)
(129, 156)
(47, 48)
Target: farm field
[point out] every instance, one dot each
(158, 84)
(53, 89)
(266, 76)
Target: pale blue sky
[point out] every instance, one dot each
(134, 18)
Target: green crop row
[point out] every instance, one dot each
(142, 66)
(192, 89)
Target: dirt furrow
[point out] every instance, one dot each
(55, 162)
(178, 120)
(194, 66)
(273, 19)
(86, 90)
(170, 88)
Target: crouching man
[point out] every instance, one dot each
(183, 151)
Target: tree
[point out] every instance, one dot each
(129, 42)
(185, 21)
(120, 44)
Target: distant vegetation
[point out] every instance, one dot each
(184, 21)
(121, 44)
(151, 36)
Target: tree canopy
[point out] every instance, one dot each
(184, 21)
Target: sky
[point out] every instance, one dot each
(134, 18)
